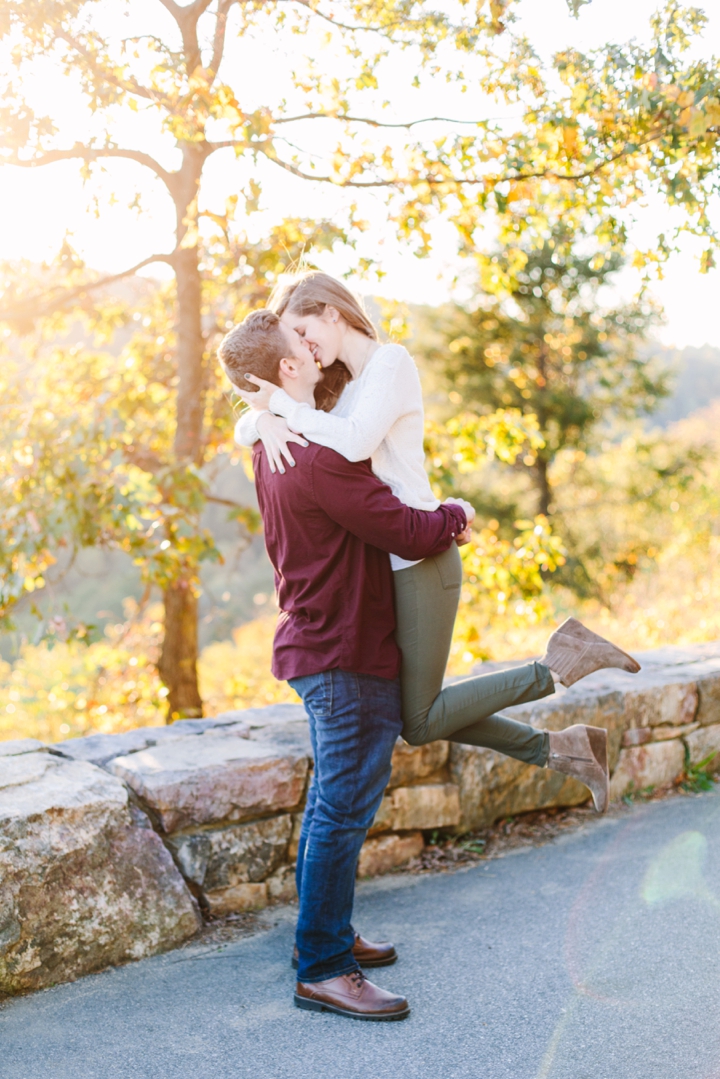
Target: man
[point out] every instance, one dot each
(329, 525)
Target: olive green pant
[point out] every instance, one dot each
(426, 601)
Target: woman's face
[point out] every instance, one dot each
(322, 333)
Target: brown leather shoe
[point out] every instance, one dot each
(367, 952)
(573, 651)
(351, 995)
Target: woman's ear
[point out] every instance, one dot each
(331, 314)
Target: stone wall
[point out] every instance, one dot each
(113, 847)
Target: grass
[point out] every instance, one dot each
(696, 777)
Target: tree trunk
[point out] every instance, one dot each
(178, 659)
(190, 348)
(543, 486)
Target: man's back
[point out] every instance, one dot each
(329, 524)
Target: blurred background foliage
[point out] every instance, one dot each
(634, 507)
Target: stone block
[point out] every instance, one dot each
(656, 764)
(601, 706)
(297, 819)
(436, 805)
(292, 735)
(237, 854)
(661, 734)
(701, 743)
(653, 702)
(81, 885)
(388, 852)
(708, 712)
(100, 748)
(269, 715)
(237, 900)
(15, 747)
(223, 777)
(492, 786)
(383, 818)
(411, 763)
(638, 736)
(281, 885)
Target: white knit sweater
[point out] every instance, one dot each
(379, 415)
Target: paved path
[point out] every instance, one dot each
(594, 957)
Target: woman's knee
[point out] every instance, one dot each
(415, 731)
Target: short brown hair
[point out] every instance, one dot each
(255, 346)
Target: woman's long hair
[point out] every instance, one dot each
(309, 294)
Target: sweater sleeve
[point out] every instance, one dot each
(351, 495)
(246, 432)
(389, 387)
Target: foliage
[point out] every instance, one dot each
(112, 685)
(549, 350)
(68, 691)
(236, 673)
(460, 444)
(643, 498)
(697, 777)
(505, 579)
(668, 595)
(129, 457)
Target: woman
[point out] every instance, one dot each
(370, 405)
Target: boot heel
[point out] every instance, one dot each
(597, 736)
(308, 1005)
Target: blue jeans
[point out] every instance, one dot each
(355, 720)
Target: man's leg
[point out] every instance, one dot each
(308, 812)
(356, 720)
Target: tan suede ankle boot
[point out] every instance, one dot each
(581, 752)
(574, 651)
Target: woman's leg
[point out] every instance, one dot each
(426, 600)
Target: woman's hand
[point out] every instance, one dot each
(276, 435)
(466, 535)
(260, 400)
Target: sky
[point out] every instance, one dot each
(39, 207)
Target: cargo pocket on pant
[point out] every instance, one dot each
(449, 568)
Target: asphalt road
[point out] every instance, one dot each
(594, 957)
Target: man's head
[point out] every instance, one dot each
(263, 346)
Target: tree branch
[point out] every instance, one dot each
(226, 502)
(91, 153)
(130, 86)
(187, 20)
(57, 298)
(371, 122)
(341, 25)
(219, 38)
(439, 181)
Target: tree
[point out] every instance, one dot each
(625, 121)
(123, 456)
(550, 350)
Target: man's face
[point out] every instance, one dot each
(307, 373)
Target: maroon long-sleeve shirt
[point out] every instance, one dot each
(329, 525)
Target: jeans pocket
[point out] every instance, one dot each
(449, 568)
(319, 696)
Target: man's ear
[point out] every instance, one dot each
(289, 367)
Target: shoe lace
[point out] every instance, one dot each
(357, 977)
